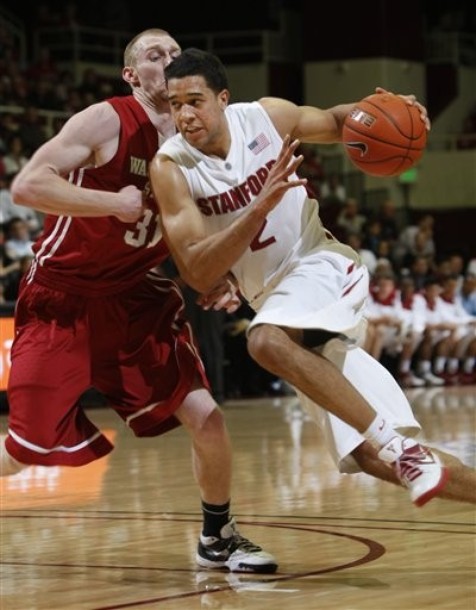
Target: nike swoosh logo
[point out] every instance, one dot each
(358, 146)
(212, 553)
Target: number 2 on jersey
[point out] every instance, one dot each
(257, 244)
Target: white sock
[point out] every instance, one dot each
(380, 432)
(387, 440)
(424, 366)
(469, 364)
(440, 363)
(453, 365)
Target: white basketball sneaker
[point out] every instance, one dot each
(432, 380)
(418, 468)
(234, 552)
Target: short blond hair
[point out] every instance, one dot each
(130, 50)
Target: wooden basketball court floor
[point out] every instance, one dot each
(121, 533)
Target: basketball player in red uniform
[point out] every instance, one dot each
(93, 312)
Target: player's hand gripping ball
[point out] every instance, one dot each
(383, 135)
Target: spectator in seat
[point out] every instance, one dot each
(350, 220)
(467, 293)
(18, 242)
(393, 328)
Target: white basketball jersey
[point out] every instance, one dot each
(223, 188)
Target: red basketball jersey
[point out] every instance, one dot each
(100, 256)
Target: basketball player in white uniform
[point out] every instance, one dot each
(230, 200)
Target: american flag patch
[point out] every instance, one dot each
(258, 144)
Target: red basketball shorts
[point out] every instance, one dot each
(135, 348)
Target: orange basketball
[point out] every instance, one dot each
(383, 135)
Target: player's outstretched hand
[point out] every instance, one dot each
(279, 181)
(411, 100)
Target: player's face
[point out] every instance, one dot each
(152, 54)
(198, 112)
